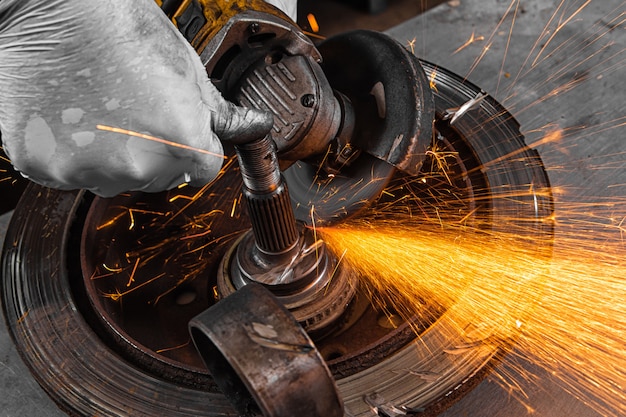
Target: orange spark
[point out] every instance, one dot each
(554, 135)
(472, 39)
(490, 40)
(560, 26)
(132, 220)
(110, 269)
(23, 316)
(159, 140)
(313, 22)
(432, 80)
(131, 279)
(508, 44)
(565, 311)
(411, 44)
(232, 211)
(110, 222)
(180, 197)
(118, 294)
(197, 235)
(95, 277)
(202, 191)
(173, 348)
(440, 159)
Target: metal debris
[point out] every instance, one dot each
(380, 407)
(456, 113)
(427, 376)
(469, 346)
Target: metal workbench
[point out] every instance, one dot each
(598, 98)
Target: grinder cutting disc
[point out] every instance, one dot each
(389, 94)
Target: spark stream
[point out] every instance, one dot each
(564, 311)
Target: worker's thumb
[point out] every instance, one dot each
(239, 125)
(230, 124)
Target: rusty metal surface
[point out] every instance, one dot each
(262, 359)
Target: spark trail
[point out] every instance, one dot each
(565, 311)
(6, 175)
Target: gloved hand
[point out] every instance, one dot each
(289, 7)
(87, 85)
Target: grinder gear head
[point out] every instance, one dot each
(368, 95)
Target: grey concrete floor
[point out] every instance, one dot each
(592, 112)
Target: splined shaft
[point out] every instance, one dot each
(267, 197)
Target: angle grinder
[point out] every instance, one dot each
(351, 117)
(346, 111)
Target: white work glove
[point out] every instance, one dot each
(76, 74)
(289, 7)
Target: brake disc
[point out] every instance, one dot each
(97, 293)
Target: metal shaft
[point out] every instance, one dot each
(279, 253)
(267, 197)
